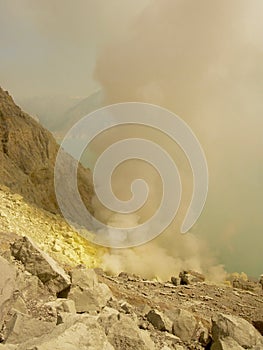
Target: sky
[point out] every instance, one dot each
(201, 59)
(50, 47)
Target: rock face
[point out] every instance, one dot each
(40, 264)
(27, 156)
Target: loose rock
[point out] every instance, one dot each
(236, 328)
(184, 324)
(88, 294)
(160, 321)
(7, 287)
(40, 264)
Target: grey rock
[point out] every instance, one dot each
(125, 335)
(79, 332)
(144, 309)
(160, 321)
(126, 307)
(83, 277)
(191, 277)
(226, 344)
(21, 328)
(88, 294)
(184, 324)
(20, 305)
(108, 317)
(30, 286)
(62, 305)
(40, 264)
(240, 283)
(236, 328)
(176, 281)
(7, 287)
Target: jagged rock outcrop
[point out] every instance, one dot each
(40, 264)
(27, 157)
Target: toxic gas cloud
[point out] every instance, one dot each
(200, 59)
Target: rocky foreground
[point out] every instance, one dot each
(69, 303)
(43, 307)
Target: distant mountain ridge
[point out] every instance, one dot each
(58, 114)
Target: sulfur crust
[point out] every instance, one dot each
(51, 232)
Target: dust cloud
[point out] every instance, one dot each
(203, 61)
(200, 59)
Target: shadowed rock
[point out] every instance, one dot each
(40, 264)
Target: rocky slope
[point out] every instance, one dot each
(49, 301)
(27, 157)
(53, 294)
(48, 230)
(44, 307)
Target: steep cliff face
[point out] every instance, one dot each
(27, 158)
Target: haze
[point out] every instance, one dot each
(201, 59)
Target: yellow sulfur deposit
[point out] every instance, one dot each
(51, 232)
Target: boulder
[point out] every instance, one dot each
(108, 317)
(88, 294)
(62, 305)
(236, 328)
(30, 286)
(124, 334)
(176, 281)
(7, 287)
(40, 264)
(20, 305)
(160, 321)
(184, 324)
(226, 344)
(240, 283)
(21, 328)
(191, 277)
(78, 332)
(83, 277)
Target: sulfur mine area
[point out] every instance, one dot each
(59, 291)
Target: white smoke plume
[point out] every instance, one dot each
(202, 60)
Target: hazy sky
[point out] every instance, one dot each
(50, 47)
(201, 59)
